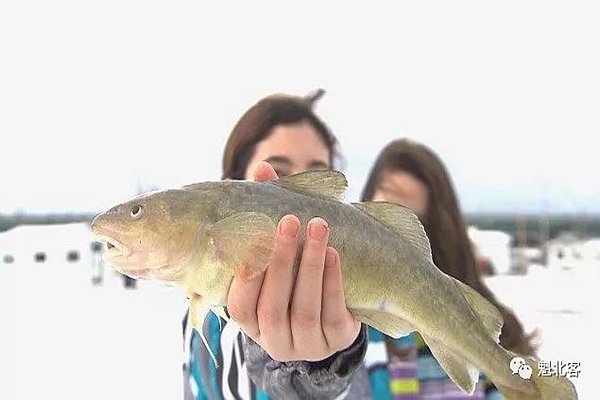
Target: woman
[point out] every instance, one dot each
(411, 174)
(300, 340)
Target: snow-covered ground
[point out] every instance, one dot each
(67, 339)
(563, 304)
(64, 338)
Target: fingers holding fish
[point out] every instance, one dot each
(273, 303)
(339, 326)
(263, 171)
(242, 301)
(308, 337)
(283, 315)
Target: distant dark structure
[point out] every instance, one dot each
(9, 221)
(536, 228)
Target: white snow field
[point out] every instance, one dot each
(65, 338)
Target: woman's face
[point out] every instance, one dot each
(403, 188)
(291, 149)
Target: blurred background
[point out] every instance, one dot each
(102, 101)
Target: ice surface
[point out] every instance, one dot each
(64, 338)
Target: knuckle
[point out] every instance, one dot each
(334, 292)
(305, 318)
(285, 253)
(339, 333)
(269, 317)
(335, 327)
(312, 261)
(239, 314)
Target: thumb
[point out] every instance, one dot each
(263, 171)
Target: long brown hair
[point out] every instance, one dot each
(445, 226)
(260, 119)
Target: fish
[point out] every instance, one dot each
(199, 236)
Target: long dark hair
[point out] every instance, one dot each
(260, 119)
(445, 226)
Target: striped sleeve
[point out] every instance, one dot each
(327, 379)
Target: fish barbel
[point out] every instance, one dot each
(200, 235)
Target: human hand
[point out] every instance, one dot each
(301, 319)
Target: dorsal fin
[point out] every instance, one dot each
(400, 220)
(193, 186)
(326, 184)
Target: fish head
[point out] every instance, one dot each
(149, 236)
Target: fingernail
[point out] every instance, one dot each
(317, 229)
(330, 257)
(288, 227)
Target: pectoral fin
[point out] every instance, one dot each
(244, 243)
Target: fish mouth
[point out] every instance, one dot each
(114, 248)
(165, 273)
(136, 273)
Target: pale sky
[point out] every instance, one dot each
(96, 96)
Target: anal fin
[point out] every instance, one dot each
(465, 375)
(385, 322)
(487, 313)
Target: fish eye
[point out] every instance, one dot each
(137, 211)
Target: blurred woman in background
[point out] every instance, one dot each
(411, 174)
(299, 340)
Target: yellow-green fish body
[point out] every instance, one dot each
(200, 235)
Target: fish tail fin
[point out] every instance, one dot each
(541, 387)
(534, 387)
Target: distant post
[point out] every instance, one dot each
(544, 237)
(97, 263)
(522, 239)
